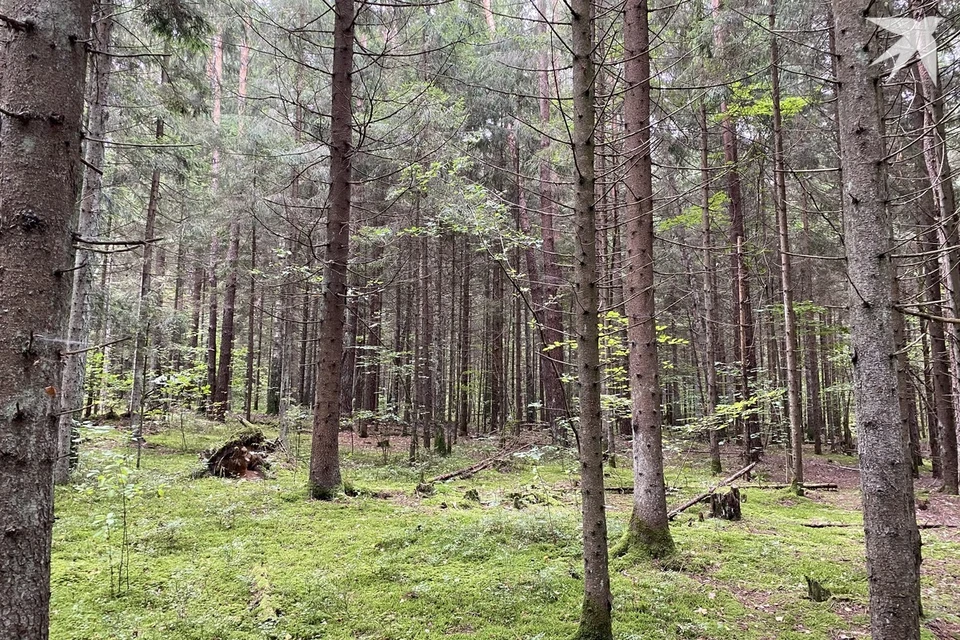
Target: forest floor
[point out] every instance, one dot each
(497, 555)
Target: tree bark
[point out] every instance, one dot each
(211, 349)
(42, 71)
(786, 278)
(649, 530)
(595, 619)
(555, 411)
(85, 262)
(948, 228)
(221, 396)
(709, 294)
(325, 451)
(892, 538)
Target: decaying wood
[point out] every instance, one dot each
(480, 466)
(726, 506)
(244, 456)
(813, 486)
(822, 486)
(703, 496)
(920, 525)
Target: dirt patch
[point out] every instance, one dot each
(944, 630)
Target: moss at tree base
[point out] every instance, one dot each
(595, 622)
(644, 542)
(318, 492)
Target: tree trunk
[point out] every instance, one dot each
(249, 392)
(144, 311)
(709, 295)
(463, 414)
(811, 356)
(325, 451)
(892, 538)
(212, 314)
(948, 228)
(42, 70)
(554, 402)
(85, 262)
(221, 397)
(649, 529)
(786, 279)
(595, 619)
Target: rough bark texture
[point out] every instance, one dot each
(85, 262)
(595, 619)
(325, 450)
(649, 530)
(892, 539)
(42, 70)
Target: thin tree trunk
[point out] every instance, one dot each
(595, 619)
(144, 311)
(811, 357)
(465, 342)
(85, 262)
(709, 294)
(941, 180)
(251, 325)
(221, 397)
(786, 278)
(554, 402)
(212, 314)
(325, 452)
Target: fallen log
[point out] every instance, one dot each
(813, 486)
(828, 486)
(703, 496)
(920, 525)
(466, 472)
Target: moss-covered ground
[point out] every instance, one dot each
(215, 559)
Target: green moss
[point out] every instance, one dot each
(238, 560)
(595, 623)
(641, 542)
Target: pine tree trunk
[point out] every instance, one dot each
(221, 397)
(212, 315)
(595, 619)
(948, 228)
(463, 414)
(555, 408)
(811, 356)
(42, 71)
(709, 295)
(786, 278)
(649, 529)
(85, 262)
(325, 451)
(249, 393)
(892, 538)
(144, 311)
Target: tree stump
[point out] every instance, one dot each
(727, 505)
